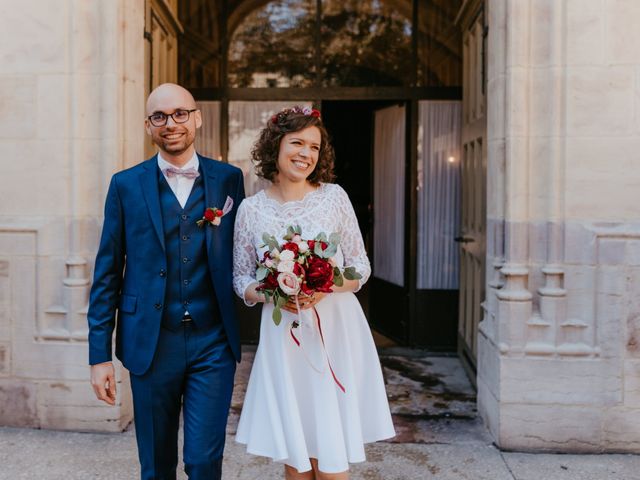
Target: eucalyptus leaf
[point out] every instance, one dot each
(281, 301)
(298, 230)
(330, 251)
(267, 296)
(270, 241)
(321, 237)
(338, 281)
(277, 315)
(334, 238)
(351, 274)
(317, 250)
(261, 273)
(290, 233)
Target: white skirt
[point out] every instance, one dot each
(295, 409)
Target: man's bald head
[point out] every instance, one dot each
(175, 137)
(169, 96)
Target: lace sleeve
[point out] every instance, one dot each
(244, 254)
(351, 241)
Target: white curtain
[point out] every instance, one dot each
(246, 119)
(439, 140)
(208, 137)
(388, 193)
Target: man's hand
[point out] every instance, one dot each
(103, 381)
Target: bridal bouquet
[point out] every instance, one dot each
(299, 267)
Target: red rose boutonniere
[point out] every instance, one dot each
(213, 216)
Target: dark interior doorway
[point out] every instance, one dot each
(433, 323)
(350, 125)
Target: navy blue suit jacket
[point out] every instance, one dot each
(131, 260)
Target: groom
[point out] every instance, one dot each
(169, 278)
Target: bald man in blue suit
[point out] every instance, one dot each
(163, 281)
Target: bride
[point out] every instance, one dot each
(311, 403)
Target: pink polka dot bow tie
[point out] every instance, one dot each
(185, 172)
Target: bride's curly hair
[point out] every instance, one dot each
(266, 149)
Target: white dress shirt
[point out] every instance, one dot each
(180, 185)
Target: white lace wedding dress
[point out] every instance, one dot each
(294, 409)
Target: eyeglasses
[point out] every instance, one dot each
(160, 119)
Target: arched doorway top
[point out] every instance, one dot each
(329, 43)
(430, 56)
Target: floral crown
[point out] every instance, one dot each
(299, 110)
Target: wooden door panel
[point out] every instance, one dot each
(472, 237)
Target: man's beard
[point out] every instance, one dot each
(175, 148)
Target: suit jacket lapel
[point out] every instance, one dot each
(151, 192)
(212, 198)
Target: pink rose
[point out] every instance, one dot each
(288, 283)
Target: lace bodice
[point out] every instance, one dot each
(326, 209)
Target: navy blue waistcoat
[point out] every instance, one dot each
(189, 286)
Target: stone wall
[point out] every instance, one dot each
(559, 346)
(71, 104)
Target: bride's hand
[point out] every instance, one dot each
(253, 295)
(305, 302)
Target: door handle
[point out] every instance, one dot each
(464, 239)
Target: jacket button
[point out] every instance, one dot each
(163, 273)
(184, 217)
(158, 306)
(185, 238)
(185, 260)
(187, 302)
(186, 282)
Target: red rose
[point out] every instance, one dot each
(270, 282)
(218, 213)
(297, 269)
(312, 244)
(291, 246)
(319, 274)
(305, 289)
(209, 215)
(315, 113)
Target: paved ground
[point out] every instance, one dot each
(439, 437)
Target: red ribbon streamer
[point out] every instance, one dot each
(335, 378)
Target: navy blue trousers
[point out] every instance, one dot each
(192, 368)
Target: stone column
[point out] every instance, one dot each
(72, 101)
(561, 370)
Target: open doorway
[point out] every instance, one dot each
(405, 191)
(399, 57)
(350, 125)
